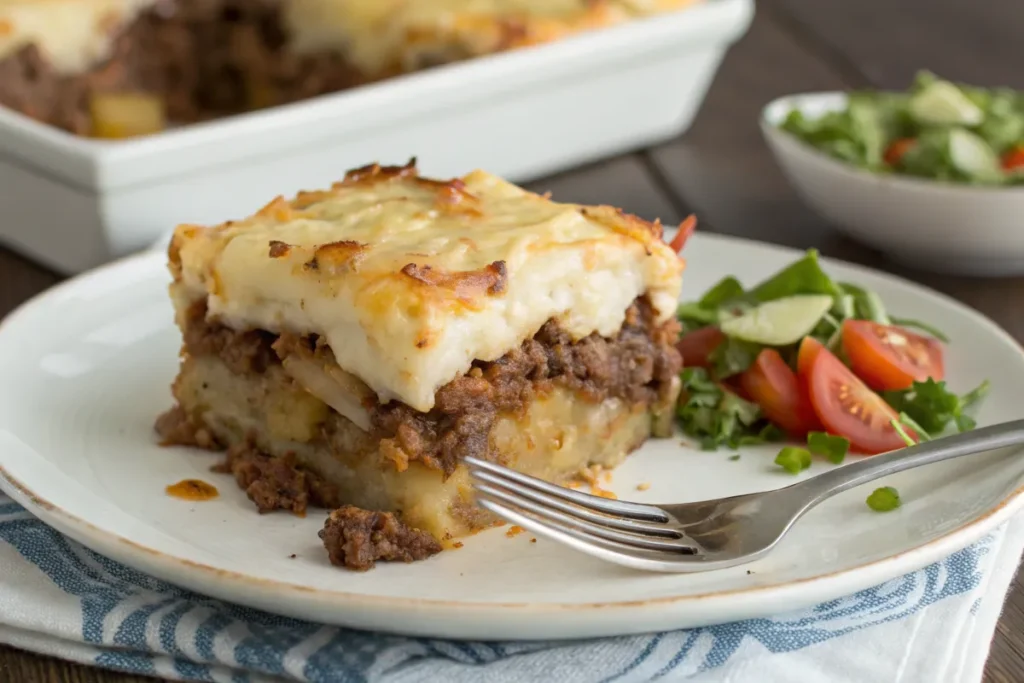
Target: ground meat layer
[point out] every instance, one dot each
(357, 538)
(637, 366)
(202, 58)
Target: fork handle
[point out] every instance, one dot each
(826, 485)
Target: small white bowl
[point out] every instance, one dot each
(927, 224)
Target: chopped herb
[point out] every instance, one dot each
(884, 499)
(910, 323)
(793, 459)
(735, 457)
(716, 417)
(831, 446)
(907, 439)
(732, 357)
(931, 406)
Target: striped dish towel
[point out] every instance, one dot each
(58, 598)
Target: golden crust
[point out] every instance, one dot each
(384, 37)
(411, 279)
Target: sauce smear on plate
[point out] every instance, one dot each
(192, 489)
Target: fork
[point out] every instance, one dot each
(705, 535)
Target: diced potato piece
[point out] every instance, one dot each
(125, 115)
(260, 94)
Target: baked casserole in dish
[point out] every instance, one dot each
(122, 68)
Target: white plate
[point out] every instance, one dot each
(86, 368)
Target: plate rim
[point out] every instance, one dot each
(905, 561)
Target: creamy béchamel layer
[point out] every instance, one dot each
(411, 280)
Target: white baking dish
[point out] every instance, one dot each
(73, 203)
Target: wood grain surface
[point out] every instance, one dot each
(722, 171)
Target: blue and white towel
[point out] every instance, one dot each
(60, 599)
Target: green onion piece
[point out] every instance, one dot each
(884, 499)
(734, 457)
(910, 323)
(965, 423)
(831, 446)
(871, 308)
(793, 459)
(907, 439)
(922, 433)
(975, 394)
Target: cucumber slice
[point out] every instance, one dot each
(943, 104)
(779, 322)
(972, 156)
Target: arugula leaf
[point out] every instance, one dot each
(693, 316)
(801, 277)
(867, 305)
(717, 417)
(732, 357)
(727, 289)
(922, 80)
(831, 446)
(867, 125)
(931, 407)
(845, 305)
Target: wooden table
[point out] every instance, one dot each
(722, 171)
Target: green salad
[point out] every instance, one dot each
(818, 364)
(938, 130)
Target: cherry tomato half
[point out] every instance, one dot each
(847, 407)
(1013, 160)
(897, 149)
(774, 386)
(809, 349)
(696, 346)
(890, 358)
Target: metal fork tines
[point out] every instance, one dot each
(702, 535)
(574, 517)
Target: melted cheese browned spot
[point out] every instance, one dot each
(468, 284)
(279, 249)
